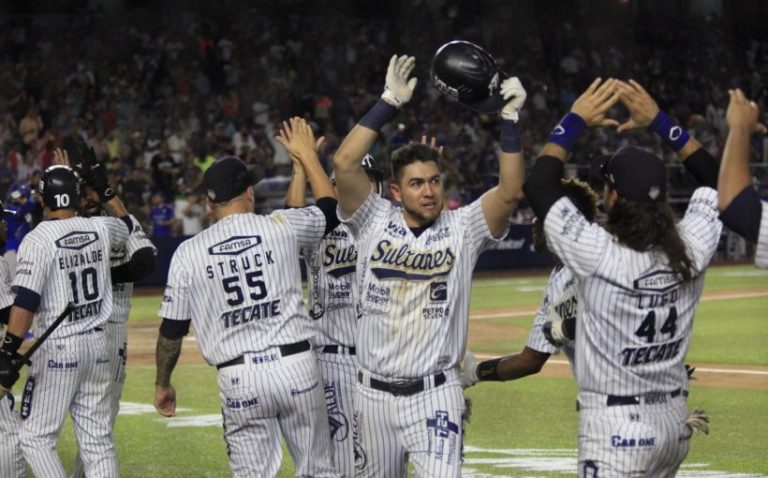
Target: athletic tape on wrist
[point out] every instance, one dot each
(672, 133)
(567, 131)
(378, 116)
(11, 343)
(510, 137)
(488, 370)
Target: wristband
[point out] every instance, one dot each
(510, 137)
(672, 133)
(378, 116)
(488, 370)
(11, 343)
(567, 131)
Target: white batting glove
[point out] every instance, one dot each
(398, 89)
(512, 91)
(553, 329)
(469, 370)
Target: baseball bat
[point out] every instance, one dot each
(24, 358)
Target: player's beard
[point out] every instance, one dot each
(424, 220)
(91, 208)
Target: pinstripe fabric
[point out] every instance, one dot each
(268, 394)
(426, 428)
(634, 325)
(68, 260)
(633, 440)
(339, 383)
(560, 299)
(121, 293)
(332, 287)
(414, 292)
(761, 255)
(11, 459)
(414, 300)
(214, 275)
(70, 374)
(239, 282)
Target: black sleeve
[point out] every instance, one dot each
(141, 265)
(703, 167)
(5, 315)
(743, 215)
(328, 206)
(174, 329)
(543, 188)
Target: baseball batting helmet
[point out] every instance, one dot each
(60, 188)
(466, 73)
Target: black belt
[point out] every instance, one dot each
(285, 350)
(650, 398)
(403, 388)
(336, 349)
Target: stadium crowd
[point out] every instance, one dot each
(159, 100)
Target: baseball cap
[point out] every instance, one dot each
(227, 178)
(20, 191)
(466, 73)
(635, 174)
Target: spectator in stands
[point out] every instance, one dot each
(30, 127)
(165, 170)
(162, 217)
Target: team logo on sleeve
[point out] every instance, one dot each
(77, 240)
(390, 261)
(234, 245)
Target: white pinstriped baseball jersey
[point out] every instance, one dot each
(122, 293)
(761, 255)
(560, 298)
(414, 291)
(333, 288)
(240, 283)
(6, 296)
(68, 260)
(635, 316)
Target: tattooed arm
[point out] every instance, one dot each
(167, 353)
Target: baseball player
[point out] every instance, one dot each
(414, 269)
(740, 206)
(65, 259)
(11, 459)
(640, 277)
(129, 263)
(333, 299)
(239, 283)
(558, 307)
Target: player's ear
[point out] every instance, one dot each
(394, 191)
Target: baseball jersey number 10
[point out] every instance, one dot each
(232, 285)
(90, 285)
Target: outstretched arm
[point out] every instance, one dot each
(500, 202)
(351, 182)
(644, 112)
(509, 367)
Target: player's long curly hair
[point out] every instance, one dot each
(648, 226)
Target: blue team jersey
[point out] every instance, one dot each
(159, 214)
(18, 225)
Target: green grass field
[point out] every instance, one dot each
(525, 428)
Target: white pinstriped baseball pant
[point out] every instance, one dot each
(11, 459)
(339, 373)
(426, 428)
(70, 374)
(645, 440)
(268, 394)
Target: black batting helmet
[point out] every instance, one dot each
(60, 188)
(466, 73)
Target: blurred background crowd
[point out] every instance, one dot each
(161, 89)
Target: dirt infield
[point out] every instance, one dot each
(142, 337)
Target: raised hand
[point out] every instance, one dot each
(595, 102)
(512, 90)
(641, 105)
(398, 88)
(60, 157)
(432, 143)
(297, 138)
(742, 113)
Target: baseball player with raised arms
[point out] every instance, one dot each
(11, 459)
(740, 206)
(557, 311)
(129, 263)
(414, 270)
(239, 283)
(65, 259)
(333, 302)
(641, 276)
